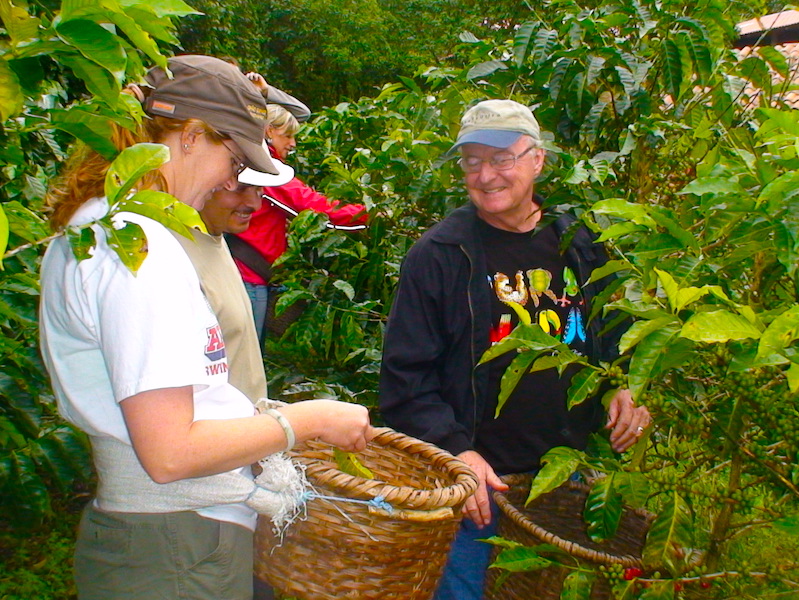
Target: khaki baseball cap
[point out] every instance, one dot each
(497, 123)
(218, 93)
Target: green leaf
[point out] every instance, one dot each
(11, 98)
(577, 586)
(717, 186)
(98, 80)
(287, 299)
(583, 385)
(529, 337)
(792, 374)
(162, 8)
(558, 361)
(97, 44)
(577, 174)
(618, 231)
(789, 525)
(672, 69)
(603, 509)
(618, 207)
(776, 193)
(780, 333)
(138, 36)
(633, 487)
(29, 491)
(609, 268)
(130, 244)
(511, 377)
(130, 166)
(154, 211)
(625, 590)
(345, 287)
(485, 69)
(648, 353)
(349, 464)
(157, 27)
(686, 238)
(641, 329)
(669, 540)
(521, 42)
(81, 241)
(718, 326)
(520, 559)
(92, 129)
(495, 540)
(776, 59)
(558, 465)
(659, 590)
(19, 25)
(3, 234)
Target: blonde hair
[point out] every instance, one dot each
(83, 177)
(279, 118)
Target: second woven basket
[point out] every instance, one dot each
(556, 518)
(358, 550)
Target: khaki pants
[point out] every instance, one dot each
(170, 556)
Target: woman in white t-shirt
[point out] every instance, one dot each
(138, 361)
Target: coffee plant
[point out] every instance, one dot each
(61, 74)
(650, 141)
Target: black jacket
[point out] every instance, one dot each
(439, 326)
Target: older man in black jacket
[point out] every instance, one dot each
(452, 304)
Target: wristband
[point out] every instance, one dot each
(284, 423)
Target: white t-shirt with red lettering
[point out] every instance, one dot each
(107, 334)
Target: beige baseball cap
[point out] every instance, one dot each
(218, 93)
(497, 123)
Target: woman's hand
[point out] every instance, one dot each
(258, 80)
(342, 424)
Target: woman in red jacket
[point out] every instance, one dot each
(267, 231)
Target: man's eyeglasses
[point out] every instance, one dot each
(502, 161)
(238, 164)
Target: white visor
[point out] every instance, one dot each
(252, 177)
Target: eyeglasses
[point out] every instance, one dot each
(238, 164)
(500, 161)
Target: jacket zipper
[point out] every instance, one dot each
(472, 346)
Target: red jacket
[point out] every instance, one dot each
(267, 231)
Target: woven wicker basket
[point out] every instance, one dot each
(354, 550)
(556, 518)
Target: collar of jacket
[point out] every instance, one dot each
(456, 228)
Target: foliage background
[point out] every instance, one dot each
(639, 99)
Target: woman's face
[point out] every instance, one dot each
(211, 167)
(282, 142)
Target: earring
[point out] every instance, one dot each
(186, 147)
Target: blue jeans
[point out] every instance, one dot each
(259, 298)
(468, 561)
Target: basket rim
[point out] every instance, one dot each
(573, 548)
(465, 481)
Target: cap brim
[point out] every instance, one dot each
(257, 155)
(253, 177)
(495, 138)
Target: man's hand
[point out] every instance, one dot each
(626, 421)
(477, 506)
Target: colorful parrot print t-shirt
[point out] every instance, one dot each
(527, 272)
